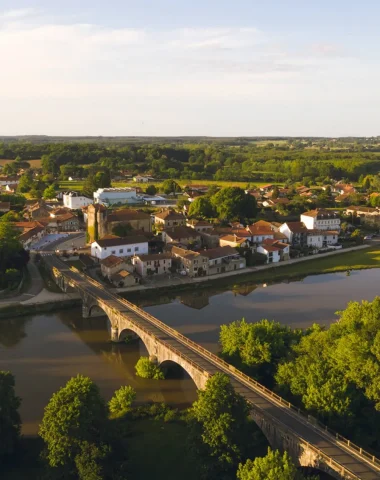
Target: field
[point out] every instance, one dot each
(33, 163)
(78, 185)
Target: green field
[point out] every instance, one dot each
(78, 185)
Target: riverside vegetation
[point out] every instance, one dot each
(333, 373)
(84, 438)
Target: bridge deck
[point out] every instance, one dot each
(281, 414)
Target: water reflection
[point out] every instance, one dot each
(58, 346)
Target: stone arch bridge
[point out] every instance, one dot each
(286, 428)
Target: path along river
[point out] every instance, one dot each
(43, 351)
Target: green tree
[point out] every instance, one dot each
(25, 183)
(10, 216)
(275, 192)
(226, 432)
(90, 186)
(273, 466)
(50, 192)
(147, 369)
(122, 230)
(151, 190)
(170, 186)
(201, 208)
(122, 400)
(10, 422)
(75, 416)
(232, 202)
(103, 179)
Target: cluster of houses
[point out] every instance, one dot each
(198, 248)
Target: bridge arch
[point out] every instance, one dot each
(136, 334)
(170, 358)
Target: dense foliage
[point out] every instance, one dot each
(223, 435)
(233, 159)
(10, 421)
(333, 373)
(122, 400)
(13, 257)
(273, 466)
(147, 369)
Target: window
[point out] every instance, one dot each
(148, 263)
(113, 252)
(136, 249)
(128, 250)
(121, 250)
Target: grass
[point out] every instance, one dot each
(78, 185)
(159, 450)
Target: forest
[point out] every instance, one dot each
(230, 160)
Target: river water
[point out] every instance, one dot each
(43, 351)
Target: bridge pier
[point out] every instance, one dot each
(115, 335)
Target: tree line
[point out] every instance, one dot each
(333, 373)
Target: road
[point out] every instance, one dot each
(279, 414)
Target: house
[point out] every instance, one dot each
(275, 202)
(361, 211)
(284, 248)
(259, 231)
(158, 263)
(31, 232)
(5, 207)
(223, 259)
(115, 196)
(322, 238)
(56, 212)
(193, 264)
(343, 188)
(182, 235)
(36, 210)
(321, 219)
(75, 201)
(295, 232)
(5, 180)
(169, 218)
(200, 225)
(233, 241)
(119, 246)
(143, 179)
(266, 188)
(123, 278)
(111, 265)
(271, 252)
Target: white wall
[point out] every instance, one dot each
(119, 251)
(315, 241)
(76, 202)
(114, 197)
(276, 254)
(286, 231)
(308, 221)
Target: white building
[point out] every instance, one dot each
(118, 246)
(114, 196)
(272, 253)
(74, 200)
(322, 238)
(321, 219)
(157, 263)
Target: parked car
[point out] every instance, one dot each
(368, 237)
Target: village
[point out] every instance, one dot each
(130, 237)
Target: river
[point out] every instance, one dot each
(43, 351)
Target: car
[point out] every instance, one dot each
(368, 237)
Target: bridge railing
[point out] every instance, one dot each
(372, 459)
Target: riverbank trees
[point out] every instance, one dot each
(10, 421)
(13, 257)
(333, 373)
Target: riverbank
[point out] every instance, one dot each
(60, 301)
(356, 258)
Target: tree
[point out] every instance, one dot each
(201, 208)
(74, 418)
(50, 192)
(275, 192)
(170, 186)
(151, 190)
(273, 466)
(122, 230)
(103, 179)
(90, 186)
(226, 432)
(147, 369)
(25, 183)
(10, 421)
(232, 202)
(10, 216)
(122, 400)
(12, 254)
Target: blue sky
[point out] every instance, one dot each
(208, 67)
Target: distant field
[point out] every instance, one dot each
(33, 163)
(78, 185)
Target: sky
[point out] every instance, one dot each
(175, 68)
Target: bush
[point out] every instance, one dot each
(147, 369)
(122, 400)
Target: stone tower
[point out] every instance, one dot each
(96, 222)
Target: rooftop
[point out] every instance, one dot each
(176, 233)
(154, 256)
(127, 214)
(112, 261)
(233, 239)
(169, 215)
(297, 227)
(321, 213)
(220, 252)
(114, 241)
(115, 190)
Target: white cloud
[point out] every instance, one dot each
(65, 74)
(17, 13)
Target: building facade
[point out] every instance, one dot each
(321, 219)
(120, 247)
(116, 196)
(154, 264)
(75, 201)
